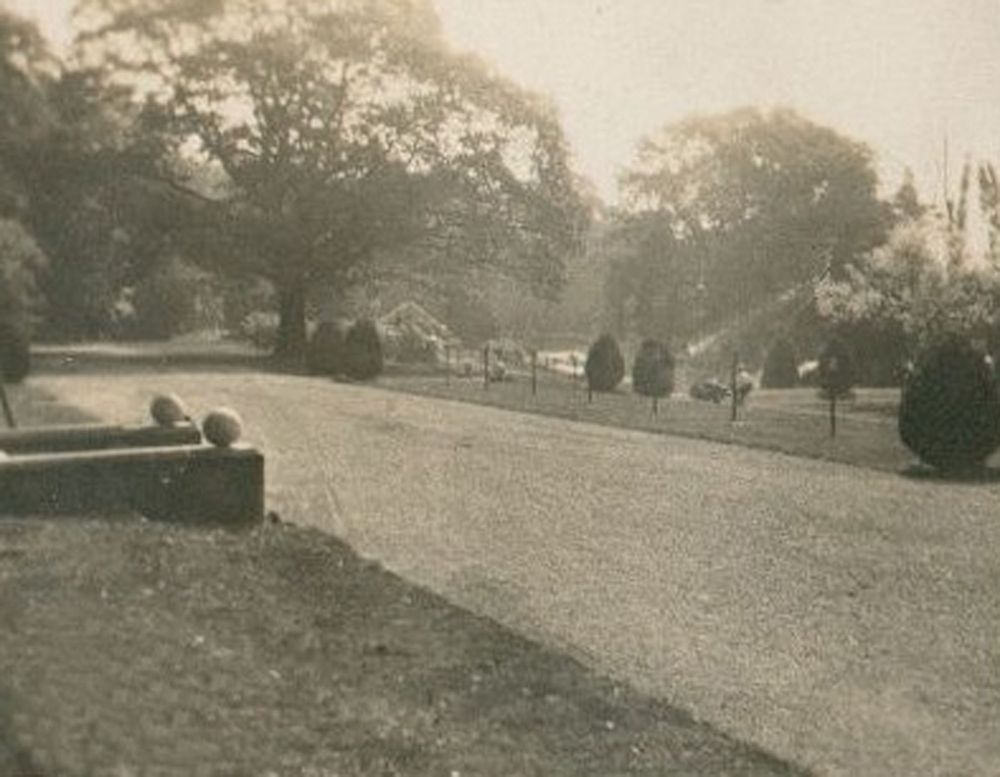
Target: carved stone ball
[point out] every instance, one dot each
(168, 410)
(222, 427)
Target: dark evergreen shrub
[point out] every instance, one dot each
(363, 358)
(835, 373)
(781, 368)
(15, 353)
(605, 366)
(325, 353)
(653, 370)
(950, 412)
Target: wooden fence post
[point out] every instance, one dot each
(733, 387)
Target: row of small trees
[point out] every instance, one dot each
(652, 370)
(949, 414)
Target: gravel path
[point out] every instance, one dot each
(845, 619)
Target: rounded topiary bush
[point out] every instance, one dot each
(325, 353)
(653, 370)
(835, 372)
(605, 365)
(950, 412)
(15, 353)
(363, 359)
(781, 368)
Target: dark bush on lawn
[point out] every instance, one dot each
(835, 371)
(605, 366)
(781, 368)
(950, 412)
(15, 353)
(325, 354)
(363, 358)
(653, 370)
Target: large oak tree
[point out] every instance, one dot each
(336, 131)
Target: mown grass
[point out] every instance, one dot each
(32, 406)
(134, 648)
(794, 421)
(128, 647)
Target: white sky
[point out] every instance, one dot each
(898, 74)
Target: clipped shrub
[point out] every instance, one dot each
(781, 368)
(835, 373)
(362, 351)
(950, 412)
(605, 366)
(15, 353)
(653, 370)
(325, 353)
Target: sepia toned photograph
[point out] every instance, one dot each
(499, 388)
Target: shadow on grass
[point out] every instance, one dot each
(14, 758)
(968, 475)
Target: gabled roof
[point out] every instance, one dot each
(413, 315)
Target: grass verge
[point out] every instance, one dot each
(795, 421)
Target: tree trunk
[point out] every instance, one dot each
(291, 341)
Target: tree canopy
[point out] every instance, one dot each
(335, 130)
(749, 204)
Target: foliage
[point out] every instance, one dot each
(905, 203)
(781, 368)
(468, 314)
(989, 203)
(412, 347)
(652, 279)
(260, 328)
(362, 351)
(605, 366)
(950, 411)
(25, 74)
(15, 352)
(21, 261)
(653, 370)
(724, 212)
(69, 150)
(907, 295)
(325, 355)
(835, 369)
(340, 132)
(173, 299)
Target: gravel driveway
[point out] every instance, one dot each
(845, 619)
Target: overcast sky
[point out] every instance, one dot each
(898, 74)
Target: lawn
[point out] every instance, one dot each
(791, 421)
(128, 647)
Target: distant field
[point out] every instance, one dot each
(792, 421)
